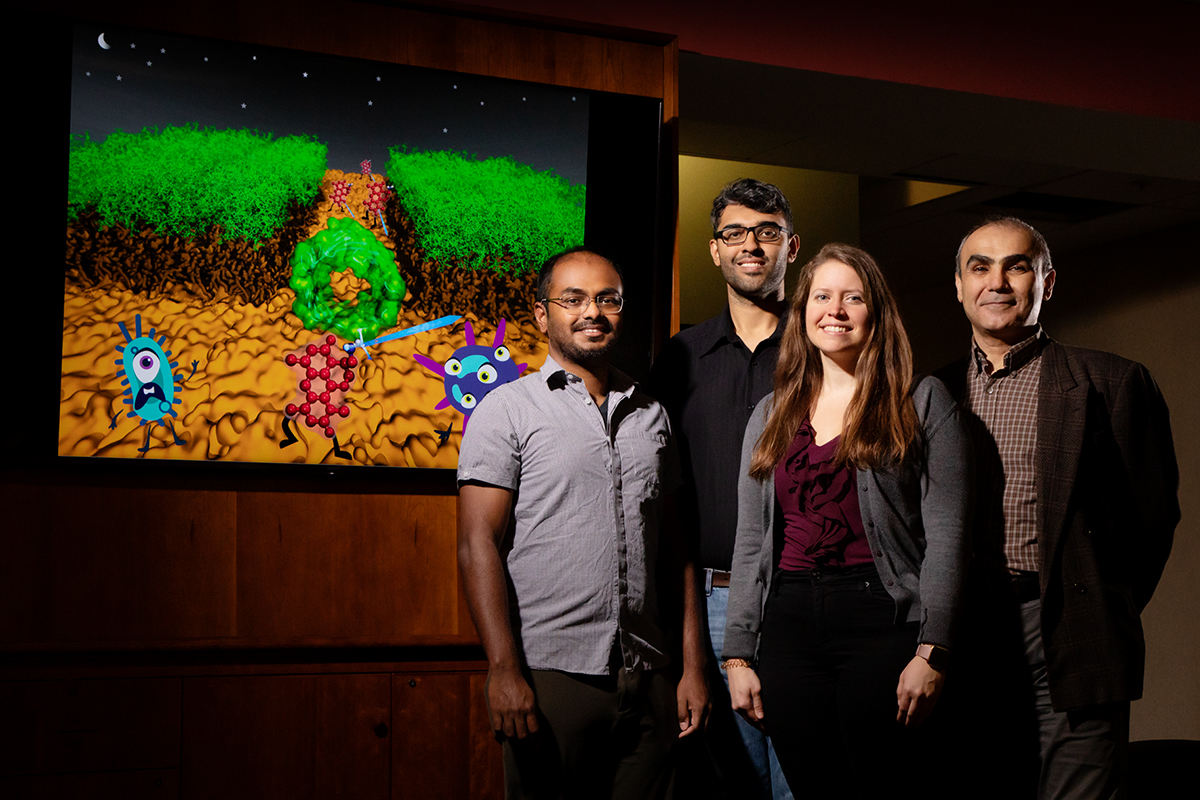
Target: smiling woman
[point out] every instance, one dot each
(866, 471)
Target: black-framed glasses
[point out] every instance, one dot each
(766, 233)
(578, 303)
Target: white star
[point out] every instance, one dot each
(132, 46)
(149, 63)
(206, 58)
(456, 86)
(445, 130)
(377, 78)
(162, 49)
(88, 73)
(243, 105)
(118, 77)
(522, 99)
(572, 99)
(370, 102)
(306, 74)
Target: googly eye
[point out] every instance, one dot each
(145, 366)
(453, 367)
(486, 374)
(502, 353)
(468, 400)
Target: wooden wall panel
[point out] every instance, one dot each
(379, 567)
(89, 725)
(158, 784)
(289, 736)
(99, 564)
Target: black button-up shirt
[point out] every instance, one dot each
(709, 382)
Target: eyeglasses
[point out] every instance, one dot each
(766, 233)
(579, 303)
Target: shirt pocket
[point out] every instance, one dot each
(643, 461)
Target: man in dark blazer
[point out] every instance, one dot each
(1076, 508)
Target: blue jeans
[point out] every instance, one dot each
(757, 747)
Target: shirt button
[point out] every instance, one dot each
(991, 389)
(879, 554)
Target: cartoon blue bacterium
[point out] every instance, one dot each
(150, 385)
(473, 371)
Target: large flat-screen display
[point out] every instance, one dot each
(277, 256)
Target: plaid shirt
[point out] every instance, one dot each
(1005, 403)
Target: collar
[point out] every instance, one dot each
(1017, 356)
(724, 333)
(557, 377)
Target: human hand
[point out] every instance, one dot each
(693, 701)
(917, 692)
(511, 705)
(745, 692)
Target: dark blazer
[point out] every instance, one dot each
(1107, 495)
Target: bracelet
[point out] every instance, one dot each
(734, 662)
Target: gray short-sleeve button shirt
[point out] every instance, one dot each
(587, 501)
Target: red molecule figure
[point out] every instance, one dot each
(333, 361)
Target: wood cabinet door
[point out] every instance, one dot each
(442, 744)
(286, 736)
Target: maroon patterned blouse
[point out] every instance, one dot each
(822, 522)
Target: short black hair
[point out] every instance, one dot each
(1041, 251)
(765, 198)
(546, 273)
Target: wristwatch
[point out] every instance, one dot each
(935, 654)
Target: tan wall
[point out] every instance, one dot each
(1142, 300)
(824, 207)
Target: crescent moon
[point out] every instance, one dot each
(100, 41)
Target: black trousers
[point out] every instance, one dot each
(600, 737)
(830, 657)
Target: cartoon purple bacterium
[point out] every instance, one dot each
(150, 385)
(472, 372)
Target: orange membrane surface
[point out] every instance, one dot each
(233, 406)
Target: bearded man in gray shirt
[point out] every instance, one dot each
(562, 476)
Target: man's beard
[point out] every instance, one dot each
(587, 355)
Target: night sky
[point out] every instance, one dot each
(358, 108)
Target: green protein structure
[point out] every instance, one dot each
(346, 245)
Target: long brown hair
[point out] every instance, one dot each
(881, 423)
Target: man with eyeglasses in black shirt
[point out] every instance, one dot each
(709, 377)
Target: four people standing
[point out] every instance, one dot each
(846, 558)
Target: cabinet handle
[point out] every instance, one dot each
(381, 730)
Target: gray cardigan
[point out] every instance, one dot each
(914, 518)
